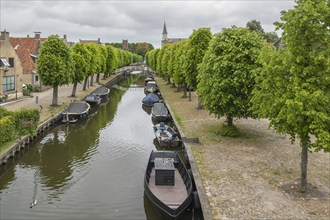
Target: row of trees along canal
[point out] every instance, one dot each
(237, 74)
(59, 65)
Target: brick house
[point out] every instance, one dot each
(27, 51)
(11, 69)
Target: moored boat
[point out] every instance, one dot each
(150, 99)
(102, 92)
(166, 135)
(167, 184)
(151, 87)
(75, 111)
(93, 99)
(159, 112)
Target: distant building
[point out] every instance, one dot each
(125, 45)
(98, 41)
(166, 40)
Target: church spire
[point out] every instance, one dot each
(164, 29)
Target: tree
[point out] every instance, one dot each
(197, 45)
(293, 86)
(225, 75)
(54, 64)
(95, 62)
(111, 61)
(81, 57)
(255, 26)
(178, 70)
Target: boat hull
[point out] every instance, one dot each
(165, 208)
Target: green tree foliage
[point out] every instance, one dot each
(293, 89)
(151, 58)
(95, 62)
(54, 64)
(225, 75)
(81, 57)
(178, 66)
(197, 45)
(254, 25)
(159, 61)
(140, 48)
(103, 63)
(165, 61)
(112, 59)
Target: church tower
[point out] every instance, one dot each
(164, 35)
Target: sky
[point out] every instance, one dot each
(135, 21)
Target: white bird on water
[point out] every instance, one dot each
(33, 203)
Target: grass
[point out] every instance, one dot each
(6, 146)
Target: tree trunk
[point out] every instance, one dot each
(98, 78)
(168, 80)
(85, 83)
(55, 95)
(184, 90)
(229, 121)
(199, 105)
(74, 89)
(92, 78)
(189, 93)
(303, 166)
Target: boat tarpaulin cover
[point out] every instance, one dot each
(159, 109)
(77, 107)
(150, 99)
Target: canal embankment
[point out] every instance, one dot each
(253, 176)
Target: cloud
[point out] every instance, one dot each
(137, 21)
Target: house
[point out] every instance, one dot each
(166, 40)
(27, 50)
(11, 69)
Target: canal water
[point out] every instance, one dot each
(93, 169)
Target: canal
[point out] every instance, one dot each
(93, 169)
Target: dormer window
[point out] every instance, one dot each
(4, 62)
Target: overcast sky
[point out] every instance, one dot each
(137, 21)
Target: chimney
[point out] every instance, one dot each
(37, 34)
(64, 37)
(4, 35)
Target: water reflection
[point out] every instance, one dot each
(92, 169)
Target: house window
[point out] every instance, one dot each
(36, 80)
(8, 83)
(4, 62)
(11, 61)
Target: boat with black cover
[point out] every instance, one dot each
(102, 92)
(168, 184)
(159, 112)
(166, 135)
(75, 111)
